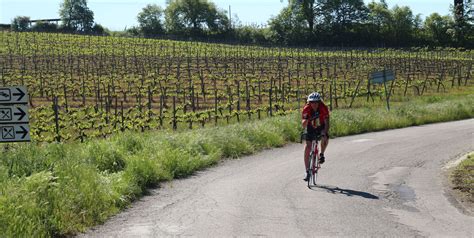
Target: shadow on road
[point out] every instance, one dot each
(347, 192)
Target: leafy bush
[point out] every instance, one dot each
(106, 156)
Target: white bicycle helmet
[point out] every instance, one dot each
(314, 97)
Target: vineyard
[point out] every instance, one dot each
(82, 87)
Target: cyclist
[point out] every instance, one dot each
(316, 122)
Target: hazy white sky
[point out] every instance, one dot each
(118, 14)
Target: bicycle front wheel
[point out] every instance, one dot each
(311, 171)
(314, 169)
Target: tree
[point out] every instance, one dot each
(289, 28)
(463, 11)
(76, 16)
(98, 29)
(437, 29)
(459, 11)
(195, 18)
(343, 12)
(150, 20)
(307, 10)
(402, 26)
(20, 23)
(379, 18)
(132, 31)
(341, 19)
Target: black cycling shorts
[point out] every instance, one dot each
(313, 133)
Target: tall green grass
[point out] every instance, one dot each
(61, 189)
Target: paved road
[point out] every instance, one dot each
(377, 184)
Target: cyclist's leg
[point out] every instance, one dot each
(324, 140)
(324, 143)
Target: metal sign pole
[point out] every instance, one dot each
(385, 85)
(380, 77)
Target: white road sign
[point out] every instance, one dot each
(13, 95)
(13, 114)
(14, 133)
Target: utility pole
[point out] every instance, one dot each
(230, 17)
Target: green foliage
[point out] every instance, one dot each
(288, 27)
(20, 23)
(129, 142)
(25, 204)
(438, 27)
(106, 156)
(250, 34)
(379, 19)
(82, 197)
(422, 111)
(351, 22)
(306, 8)
(98, 29)
(45, 27)
(150, 20)
(341, 15)
(194, 17)
(76, 16)
(403, 25)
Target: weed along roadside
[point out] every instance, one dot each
(61, 189)
(461, 181)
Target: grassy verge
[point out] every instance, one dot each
(61, 189)
(463, 179)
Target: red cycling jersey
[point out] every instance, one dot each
(322, 112)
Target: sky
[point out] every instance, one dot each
(121, 14)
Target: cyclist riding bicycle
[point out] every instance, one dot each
(315, 120)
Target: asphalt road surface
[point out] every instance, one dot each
(387, 183)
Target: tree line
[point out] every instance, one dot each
(301, 23)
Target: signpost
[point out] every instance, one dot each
(383, 76)
(15, 133)
(14, 114)
(14, 118)
(13, 95)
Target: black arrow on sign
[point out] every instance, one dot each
(22, 114)
(21, 94)
(23, 131)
